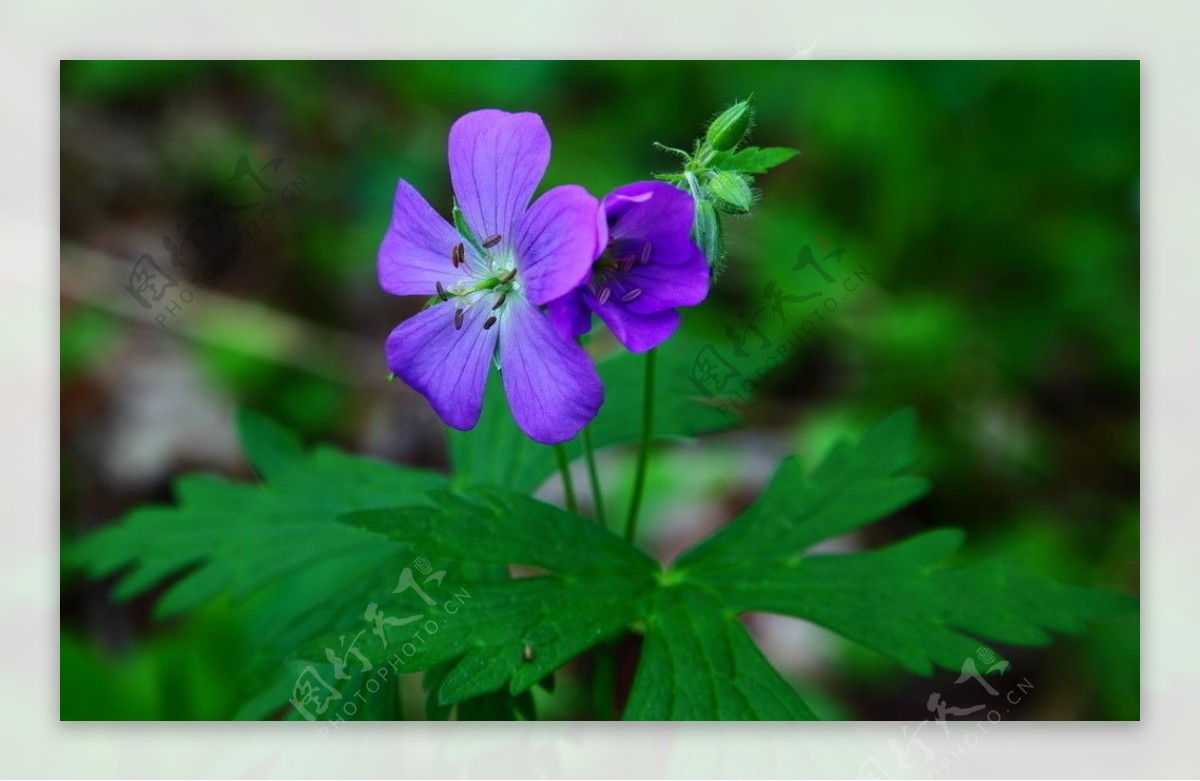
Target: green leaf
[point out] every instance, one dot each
(277, 550)
(595, 586)
(270, 448)
(592, 588)
(903, 601)
(753, 159)
(699, 663)
(495, 452)
(278, 545)
(425, 586)
(854, 486)
(494, 706)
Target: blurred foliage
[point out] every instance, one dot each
(992, 209)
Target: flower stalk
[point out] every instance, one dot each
(564, 468)
(639, 479)
(594, 477)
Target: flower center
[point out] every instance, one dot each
(493, 286)
(610, 273)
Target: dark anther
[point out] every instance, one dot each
(491, 321)
(491, 241)
(499, 300)
(458, 255)
(441, 291)
(458, 317)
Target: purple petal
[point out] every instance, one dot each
(496, 162)
(551, 384)
(569, 315)
(664, 219)
(446, 365)
(556, 242)
(666, 287)
(415, 254)
(638, 332)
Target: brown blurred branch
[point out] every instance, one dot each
(97, 279)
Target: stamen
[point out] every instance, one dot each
(632, 294)
(491, 321)
(605, 292)
(625, 265)
(499, 301)
(458, 317)
(646, 252)
(504, 280)
(458, 255)
(441, 291)
(491, 241)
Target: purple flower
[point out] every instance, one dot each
(649, 267)
(492, 284)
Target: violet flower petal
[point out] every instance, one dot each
(497, 160)
(447, 365)
(415, 253)
(570, 315)
(666, 287)
(638, 332)
(664, 219)
(556, 242)
(551, 384)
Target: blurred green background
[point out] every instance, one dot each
(991, 208)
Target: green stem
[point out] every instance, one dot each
(639, 481)
(565, 470)
(603, 678)
(594, 477)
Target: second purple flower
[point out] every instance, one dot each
(649, 267)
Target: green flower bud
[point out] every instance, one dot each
(728, 129)
(731, 190)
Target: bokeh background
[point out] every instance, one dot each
(992, 209)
